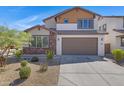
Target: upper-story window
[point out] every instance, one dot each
(65, 21)
(104, 27)
(85, 24)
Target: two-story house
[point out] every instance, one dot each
(77, 31)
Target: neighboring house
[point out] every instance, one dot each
(77, 31)
(114, 25)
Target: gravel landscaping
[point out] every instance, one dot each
(10, 75)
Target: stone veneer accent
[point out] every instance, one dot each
(52, 46)
(52, 41)
(30, 50)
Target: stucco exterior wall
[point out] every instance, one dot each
(118, 43)
(36, 31)
(51, 23)
(72, 26)
(101, 51)
(96, 22)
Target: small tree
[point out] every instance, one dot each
(18, 54)
(9, 38)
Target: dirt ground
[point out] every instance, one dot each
(11, 74)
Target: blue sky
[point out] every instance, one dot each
(22, 17)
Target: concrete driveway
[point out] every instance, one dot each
(89, 71)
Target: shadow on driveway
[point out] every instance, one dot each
(72, 59)
(69, 59)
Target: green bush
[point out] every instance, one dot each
(50, 54)
(34, 59)
(18, 54)
(24, 72)
(118, 54)
(24, 63)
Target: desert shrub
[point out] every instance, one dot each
(49, 54)
(118, 54)
(24, 72)
(34, 59)
(24, 63)
(18, 54)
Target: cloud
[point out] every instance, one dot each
(33, 19)
(27, 22)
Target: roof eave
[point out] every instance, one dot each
(42, 27)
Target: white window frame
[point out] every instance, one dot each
(88, 25)
(66, 20)
(41, 36)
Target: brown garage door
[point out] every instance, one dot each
(79, 46)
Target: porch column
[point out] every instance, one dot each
(59, 45)
(101, 47)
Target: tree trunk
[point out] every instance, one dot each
(2, 58)
(4, 51)
(44, 66)
(2, 61)
(7, 56)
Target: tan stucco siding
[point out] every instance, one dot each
(74, 15)
(36, 31)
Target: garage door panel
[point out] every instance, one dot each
(85, 46)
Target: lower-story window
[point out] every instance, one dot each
(40, 41)
(122, 41)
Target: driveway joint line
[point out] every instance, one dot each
(65, 77)
(59, 69)
(69, 80)
(93, 73)
(99, 74)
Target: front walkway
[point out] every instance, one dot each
(89, 71)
